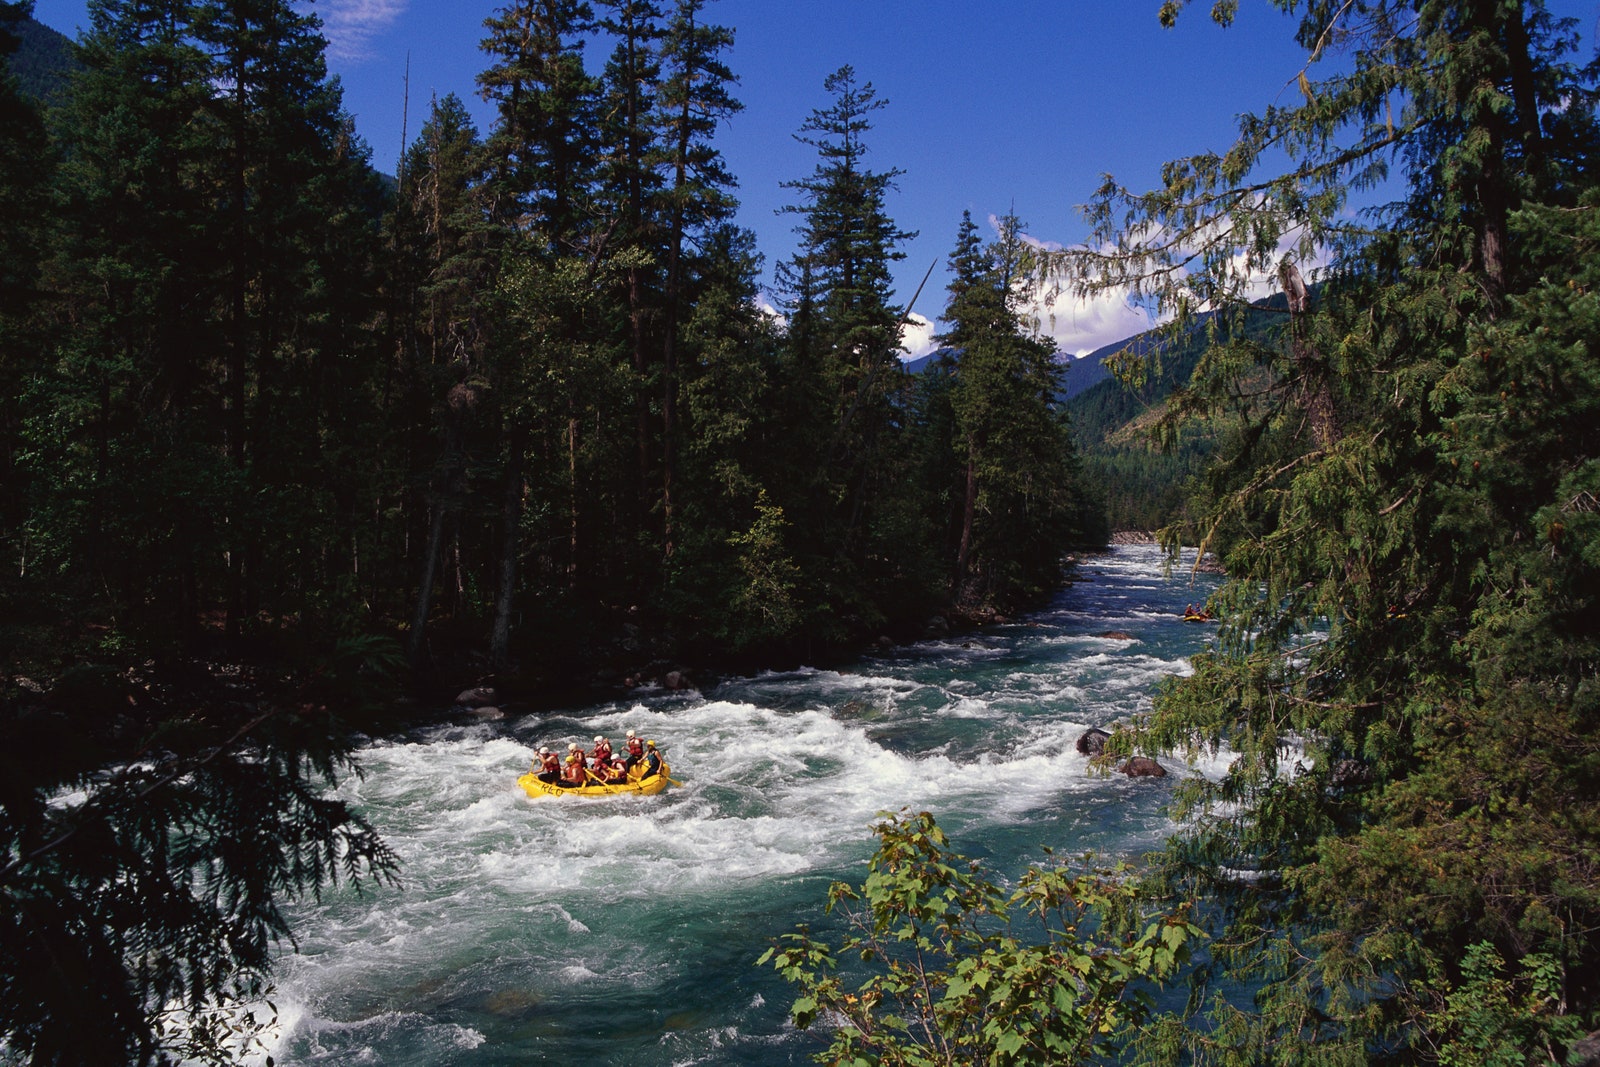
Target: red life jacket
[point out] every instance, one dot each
(635, 747)
(602, 753)
(552, 763)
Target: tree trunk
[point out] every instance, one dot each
(510, 528)
(572, 502)
(419, 617)
(969, 508)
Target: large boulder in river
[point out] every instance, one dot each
(481, 696)
(1143, 767)
(1093, 742)
(1118, 635)
(1586, 1053)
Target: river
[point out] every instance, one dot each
(625, 930)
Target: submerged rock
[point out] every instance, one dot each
(481, 696)
(1118, 635)
(1143, 767)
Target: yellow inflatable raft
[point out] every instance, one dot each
(639, 786)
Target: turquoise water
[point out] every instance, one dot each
(625, 930)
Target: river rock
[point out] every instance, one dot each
(1117, 635)
(676, 680)
(488, 713)
(1348, 773)
(477, 697)
(1143, 767)
(1093, 742)
(1586, 1053)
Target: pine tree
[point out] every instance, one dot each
(139, 920)
(541, 147)
(845, 335)
(1019, 501)
(627, 183)
(1402, 499)
(540, 184)
(130, 415)
(26, 166)
(693, 100)
(440, 272)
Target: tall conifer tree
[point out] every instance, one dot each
(696, 199)
(1400, 852)
(852, 328)
(1021, 506)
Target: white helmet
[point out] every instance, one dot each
(630, 735)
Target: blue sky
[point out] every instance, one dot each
(992, 106)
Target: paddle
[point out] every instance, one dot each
(599, 780)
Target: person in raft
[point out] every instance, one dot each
(635, 750)
(610, 772)
(575, 772)
(652, 760)
(602, 750)
(548, 766)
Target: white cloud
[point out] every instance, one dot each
(770, 312)
(916, 337)
(350, 25)
(1077, 324)
(1081, 324)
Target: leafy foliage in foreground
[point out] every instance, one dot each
(940, 965)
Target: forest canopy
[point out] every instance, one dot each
(282, 438)
(1399, 865)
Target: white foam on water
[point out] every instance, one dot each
(781, 776)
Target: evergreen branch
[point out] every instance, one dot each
(182, 770)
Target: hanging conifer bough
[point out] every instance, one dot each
(1400, 862)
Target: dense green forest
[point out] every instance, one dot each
(518, 410)
(42, 62)
(1144, 478)
(1401, 864)
(281, 437)
(1143, 463)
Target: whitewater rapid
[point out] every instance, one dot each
(625, 930)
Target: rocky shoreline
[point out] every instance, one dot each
(638, 663)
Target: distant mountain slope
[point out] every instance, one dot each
(1144, 488)
(1083, 372)
(922, 363)
(43, 60)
